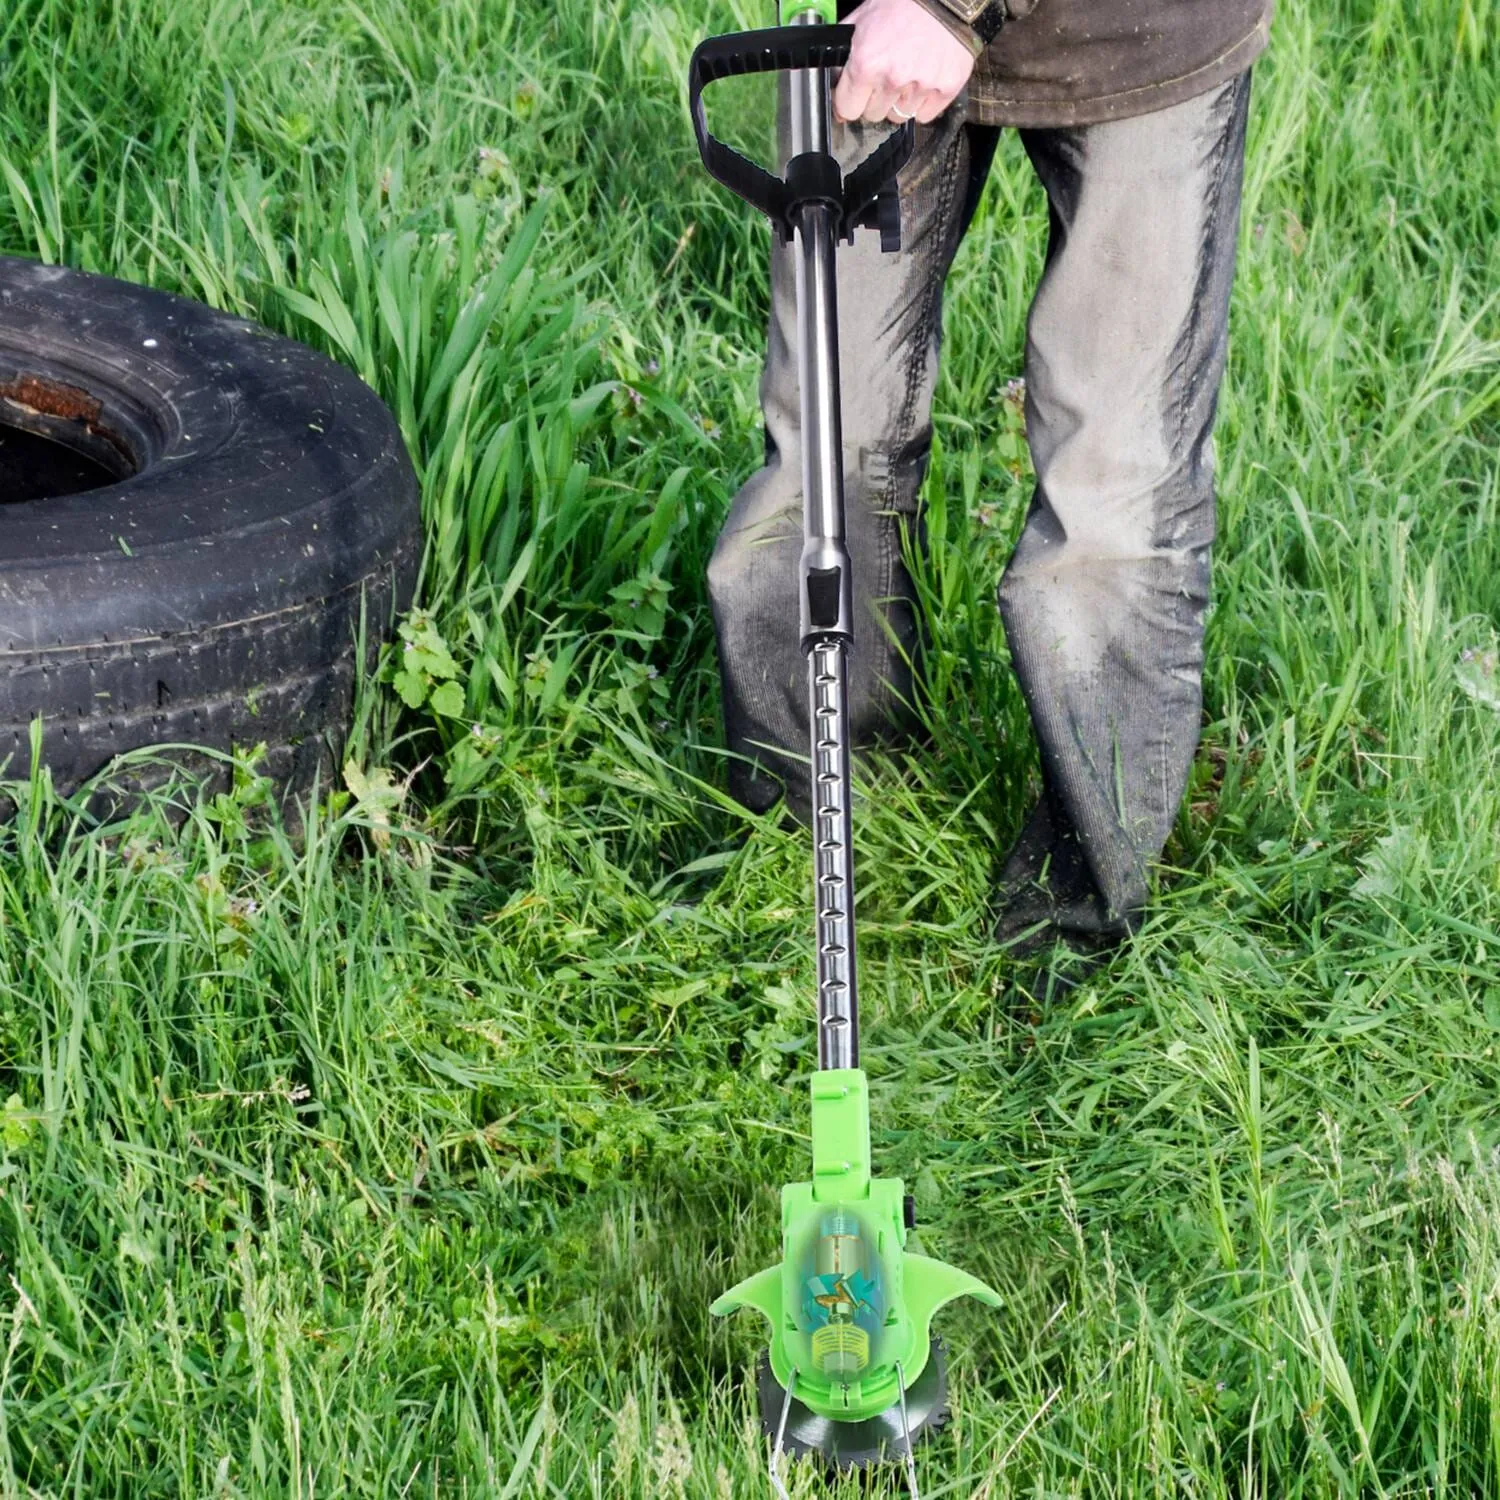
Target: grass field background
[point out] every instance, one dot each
(405, 1159)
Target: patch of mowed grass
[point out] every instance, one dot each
(407, 1157)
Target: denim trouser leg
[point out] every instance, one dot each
(1103, 599)
(1104, 596)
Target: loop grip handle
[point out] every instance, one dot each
(784, 49)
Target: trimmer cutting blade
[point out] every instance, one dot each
(880, 1439)
(853, 1372)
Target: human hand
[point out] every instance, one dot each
(903, 64)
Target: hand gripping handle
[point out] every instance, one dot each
(784, 49)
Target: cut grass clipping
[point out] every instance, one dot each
(406, 1159)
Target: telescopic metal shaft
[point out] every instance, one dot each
(827, 603)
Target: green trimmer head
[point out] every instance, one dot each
(853, 1372)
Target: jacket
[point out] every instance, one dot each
(1077, 62)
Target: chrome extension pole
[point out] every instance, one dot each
(826, 590)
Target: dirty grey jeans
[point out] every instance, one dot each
(1104, 595)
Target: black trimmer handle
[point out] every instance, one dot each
(784, 49)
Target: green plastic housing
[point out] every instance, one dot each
(912, 1287)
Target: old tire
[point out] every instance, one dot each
(254, 499)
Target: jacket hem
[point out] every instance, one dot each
(988, 107)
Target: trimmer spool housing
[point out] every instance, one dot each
(850, 1307)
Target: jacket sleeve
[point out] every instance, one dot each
(940, 10)
(976, 23)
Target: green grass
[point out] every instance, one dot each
(406, 1159)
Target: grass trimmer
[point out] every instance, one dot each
(853, 1372)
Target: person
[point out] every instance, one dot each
(1133, 115)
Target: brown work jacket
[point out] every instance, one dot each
(1077, 62)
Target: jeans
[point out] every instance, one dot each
(1103, 598)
